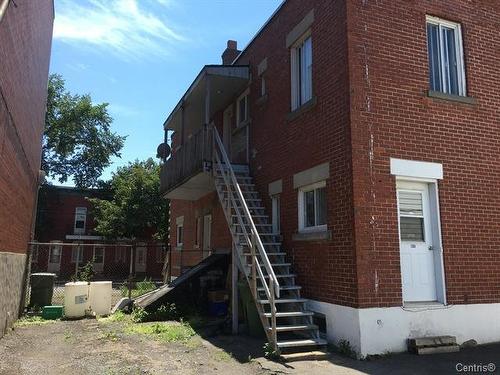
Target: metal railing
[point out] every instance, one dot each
(251, 236)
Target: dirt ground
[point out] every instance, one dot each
(99, 347)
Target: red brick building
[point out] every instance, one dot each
(66, 230)
(25, 40)
(367, 132)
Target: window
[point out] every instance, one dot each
(121, 254)
(55, 254)
(446, 61)
(411, 216)
(242, 109)
(180, 234)
(312, 207)
(80, 219)
(98, 254)
(301, 68)
(275, 202)
(34, 253)
(160, 253)
(262, 86)
(76, 254)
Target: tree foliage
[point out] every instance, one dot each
(136, 209)
(77, 141)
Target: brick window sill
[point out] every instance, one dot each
(451, 98)
(307, 106)
(325, 235)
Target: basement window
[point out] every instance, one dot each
(320, 320)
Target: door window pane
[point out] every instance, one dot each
(99, 255)
(410, 203)
(412, 228)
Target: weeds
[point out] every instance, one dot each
(165, 331)
(270, 352)
(32, 321)
(164, 312)
(141, 287)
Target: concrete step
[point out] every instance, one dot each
(299, 343)
(433, 344)
(313, 355)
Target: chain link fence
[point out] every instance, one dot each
(133, 268)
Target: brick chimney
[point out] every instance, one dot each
(230, 53)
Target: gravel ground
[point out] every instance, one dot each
(98, 347)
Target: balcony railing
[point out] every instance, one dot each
(187, 161)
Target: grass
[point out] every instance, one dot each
(141, 288)
(163, 331)
(32, 321)
(118, 316)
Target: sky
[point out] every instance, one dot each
(140, 56)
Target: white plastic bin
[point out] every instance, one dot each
(100, 297)
(76, 297)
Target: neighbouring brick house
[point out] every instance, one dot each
(65, 229)
(368, 132)
(25, 42)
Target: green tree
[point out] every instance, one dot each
(136, 209)
(77, 141)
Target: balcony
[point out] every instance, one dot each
(184, 175)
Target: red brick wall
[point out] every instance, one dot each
(191, 253)
(281, 148)
(388, 71)
(25, 40)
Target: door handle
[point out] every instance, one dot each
(431, 247)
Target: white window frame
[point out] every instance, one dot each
(55, 245)
(80, 211)
(181, 228)
(121, 254)
(103, 254)
(275, 208)
(242, 121)
(297, 82)
(78, 253)
(459, 51)
(301, 205)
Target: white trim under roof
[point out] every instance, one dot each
(417, 169)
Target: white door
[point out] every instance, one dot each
(207, 234)
(140, 259)
(416, 247)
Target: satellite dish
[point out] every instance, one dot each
(163, 151)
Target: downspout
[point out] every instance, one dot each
(3, 7)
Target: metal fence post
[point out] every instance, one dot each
(77, 261)
(131, 270)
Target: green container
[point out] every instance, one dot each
(42, 288)
(52, 312)
(251, 314)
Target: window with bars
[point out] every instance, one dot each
(446, 60)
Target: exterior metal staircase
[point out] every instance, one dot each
(288, 324)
